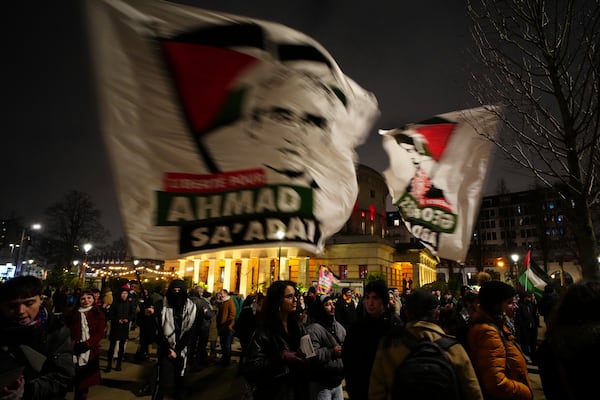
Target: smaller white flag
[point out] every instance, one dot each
(436, 176)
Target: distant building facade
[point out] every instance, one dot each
(510, 224)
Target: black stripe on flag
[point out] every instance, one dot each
(235, 35)
(291, 52)
(539, 272)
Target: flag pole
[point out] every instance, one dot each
(526, 265)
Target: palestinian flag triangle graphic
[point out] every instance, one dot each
(203, 76)
(437, 133)
(205, 67)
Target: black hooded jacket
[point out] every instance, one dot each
(52, 340)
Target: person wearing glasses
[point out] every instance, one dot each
(274, 366)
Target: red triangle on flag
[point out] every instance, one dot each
(527, 259)
(203, 76)
(437, 136)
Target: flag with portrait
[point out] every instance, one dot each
(223, 130)
(436, 175)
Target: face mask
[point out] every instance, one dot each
(176, 300)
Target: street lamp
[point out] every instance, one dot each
(21, 253)
(515, 258)
(86, 247)
(280, 235)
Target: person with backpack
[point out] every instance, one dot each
(491, 345)
(420, 361)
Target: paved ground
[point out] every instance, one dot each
(213, 382)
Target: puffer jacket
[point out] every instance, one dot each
(326, 367)
(497, 359)
(53, 340)
(392, 353)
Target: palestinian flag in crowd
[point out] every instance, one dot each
(533, 279)
(223, 130)
(436, 176)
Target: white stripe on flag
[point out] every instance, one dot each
(535, 280)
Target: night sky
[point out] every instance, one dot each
(411, 55)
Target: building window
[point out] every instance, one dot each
(363, 270)
(343, 271)
(222, 275)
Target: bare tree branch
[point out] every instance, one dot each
(542, 64)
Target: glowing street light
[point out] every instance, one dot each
(86, 248)
(280, 235)
(515, 258)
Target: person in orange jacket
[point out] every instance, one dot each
(498, 361)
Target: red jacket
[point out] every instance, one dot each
(87, 375)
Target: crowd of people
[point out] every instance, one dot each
(299, 345)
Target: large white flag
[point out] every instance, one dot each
(436, 176)
(223, 131)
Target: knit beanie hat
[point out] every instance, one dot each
(493, 293)
(177, 283)
(324, 298)
(420, 303)
(318, 312)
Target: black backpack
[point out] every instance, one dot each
(426, 373)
